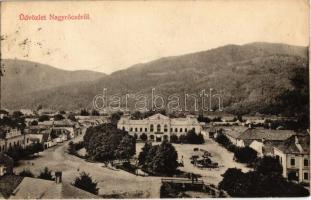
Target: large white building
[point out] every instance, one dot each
(159, 127)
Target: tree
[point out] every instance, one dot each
(106, 142)
(268, 165)
(17, 114)
(174, 139)
(256, 184)
(62, 112)
(245, 155)
(115, 117)
(46, 174)
(34, 123)
(84, 112)
(223, 140)
(43, 118)
(85, 182)
(144, 153)
(26, 173)
(58, 117)
(39, 107)
(127, 148)
(72, 117)
(143, 137)
(137, 115)
(159, 159)
(95, 113)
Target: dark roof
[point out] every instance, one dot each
(8, 184)
(46, 189)
(234, 131)
(298, 144)
(266, 134)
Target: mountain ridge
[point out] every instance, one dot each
(248, 74)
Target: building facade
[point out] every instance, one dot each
(13, 138)
(294, 156)
(159, 127)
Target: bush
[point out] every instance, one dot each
(58, 117)
(46, 174)
(268, 165)
(85, 182)
(223, 140)
(245, 155)
(191, 138)
(174, 139)
(26, 173)
(143, 137)
(43, 118)
(74, 147)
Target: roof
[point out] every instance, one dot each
(64, 123)
(8, 183)
(266, 134)
(46, 189)
(234, 131)
(298, 144)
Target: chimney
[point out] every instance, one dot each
(296, 140)
(58, 177)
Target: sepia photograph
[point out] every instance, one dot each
(154, 99)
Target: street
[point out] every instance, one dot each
(110, 182)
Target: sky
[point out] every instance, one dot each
(120, 34)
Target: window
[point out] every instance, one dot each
(306, 162)
(186, 130)
(141, 129)
(176, 130)
(151, 128)
(135, 129)
(158, 128)
(146, 130)
(171, 129)
(292, 161)
(165, 128)
(131, 129)
(306, 176)
(180, 130)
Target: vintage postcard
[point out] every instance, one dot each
(154, 99)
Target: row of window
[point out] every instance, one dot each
(305, 162)
(18, 143)
(158, 129)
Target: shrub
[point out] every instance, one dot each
(26, 173)
(85, 182)
(143, 137)
(46, 174)
(245, 155)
